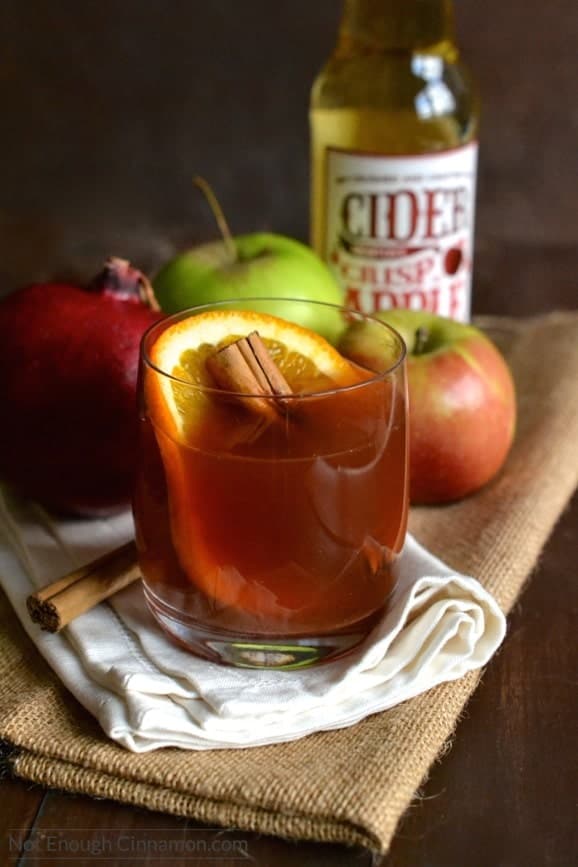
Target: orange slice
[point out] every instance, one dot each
(309, 363)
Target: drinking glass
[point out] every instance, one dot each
(272, 545)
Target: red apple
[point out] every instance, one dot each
(68, 371)
(462, 401)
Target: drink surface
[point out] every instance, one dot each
(395, 88)
(282, 529)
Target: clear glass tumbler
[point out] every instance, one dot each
(271, 545)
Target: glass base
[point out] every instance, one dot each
(250, 650)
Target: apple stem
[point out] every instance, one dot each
(420, 341)
(218, 214)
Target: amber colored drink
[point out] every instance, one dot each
(272, 544)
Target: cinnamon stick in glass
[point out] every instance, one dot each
(245, 367)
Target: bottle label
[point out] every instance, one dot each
(400, 229)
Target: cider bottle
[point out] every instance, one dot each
(394, 120)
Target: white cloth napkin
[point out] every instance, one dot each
(148, 693)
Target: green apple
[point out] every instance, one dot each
(262, 265)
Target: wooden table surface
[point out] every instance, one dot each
(503, 796)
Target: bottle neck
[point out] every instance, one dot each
(377, 26)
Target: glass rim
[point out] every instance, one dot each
(208, 389)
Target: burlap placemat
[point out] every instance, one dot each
(353, 785)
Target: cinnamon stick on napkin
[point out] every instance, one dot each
(63, 600)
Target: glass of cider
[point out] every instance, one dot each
(267, 523)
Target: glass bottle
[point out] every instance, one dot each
(394, 121)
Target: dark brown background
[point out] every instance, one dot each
(108, 107)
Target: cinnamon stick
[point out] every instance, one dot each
(246, 368)
(57, 604)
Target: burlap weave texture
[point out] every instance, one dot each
(351, 785)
